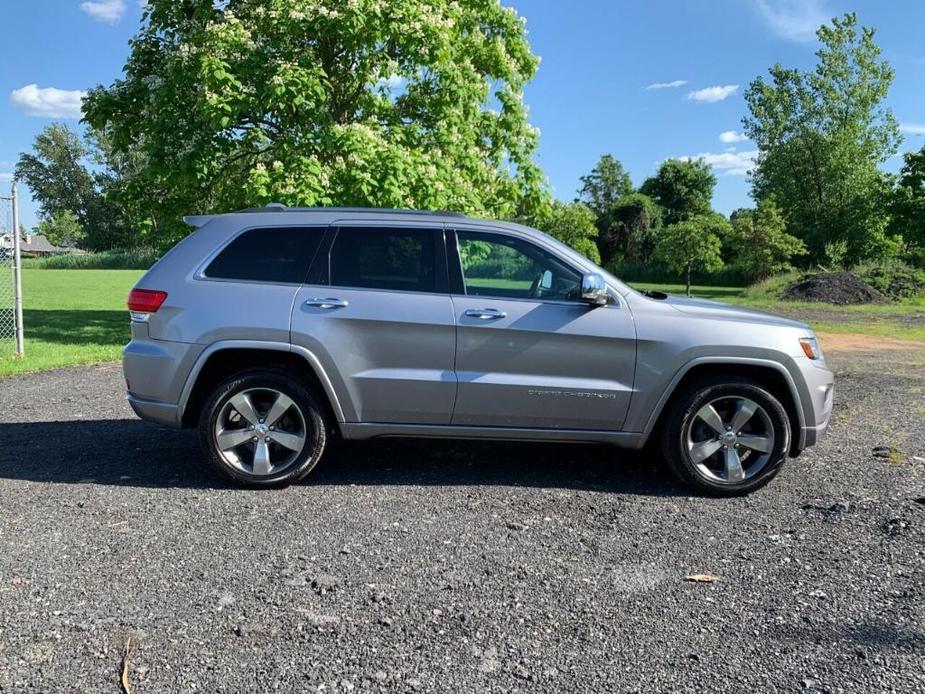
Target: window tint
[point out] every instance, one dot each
(503, 266)
(268, 255)
(377, 258)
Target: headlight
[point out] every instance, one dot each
(811, 347)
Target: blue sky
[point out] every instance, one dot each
(594, 92)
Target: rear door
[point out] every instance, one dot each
(529, 353)
(377, 314)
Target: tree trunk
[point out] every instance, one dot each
(688, 279)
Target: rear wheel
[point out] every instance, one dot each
(263, 428)
(726, 437)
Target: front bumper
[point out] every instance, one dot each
(817, 409)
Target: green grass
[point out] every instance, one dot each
(72, 317)
(140, 259)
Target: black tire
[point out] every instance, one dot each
(309, 415)
(682, 414)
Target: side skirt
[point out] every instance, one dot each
(371, 430)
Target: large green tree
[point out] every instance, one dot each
(821, 136)
(573, 224)
(56, 173)
(760, 244)
(73, 183)
(695, 243)
(406, 103)
(682, 188)
(607, 182)
(908, 203)
(629, 229)
(62, 229)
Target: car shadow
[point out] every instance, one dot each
(125, 452)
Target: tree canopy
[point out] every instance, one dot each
(761, 244)
(694, 242)
(682, 188)
(821, 136)
(321, 102)
(604, 185)
(908, 206)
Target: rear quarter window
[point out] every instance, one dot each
(268, 255)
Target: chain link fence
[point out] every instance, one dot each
(8, 317)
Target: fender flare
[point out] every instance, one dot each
(672, 385)
(223, 345)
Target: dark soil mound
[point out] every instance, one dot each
(840, 288)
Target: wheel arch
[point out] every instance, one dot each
(222, 359)
(769, 374)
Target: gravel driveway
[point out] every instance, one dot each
(421, 566)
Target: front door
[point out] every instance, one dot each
(380, 320)
(529, 353)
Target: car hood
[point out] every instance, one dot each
(718, 309)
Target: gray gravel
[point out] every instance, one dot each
(422, 566)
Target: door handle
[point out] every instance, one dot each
(315, 302)
(485, 313)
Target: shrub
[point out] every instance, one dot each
(138, 259)
(894, 278)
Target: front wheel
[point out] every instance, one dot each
(262, 428)
(726, 437)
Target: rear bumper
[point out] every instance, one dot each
(155, 373)
(154, 411)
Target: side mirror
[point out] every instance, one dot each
(594, 290)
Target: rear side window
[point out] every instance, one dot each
(384, 258)
(268, 255)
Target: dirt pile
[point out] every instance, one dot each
(840, 288)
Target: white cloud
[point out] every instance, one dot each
(794, 20)
(667, 85)
(6, 177)
(711, 94)
(913, 128)
(48, 102)
(110, 11)
(732, 136)
(727, 163)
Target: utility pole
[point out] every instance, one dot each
(17, 275)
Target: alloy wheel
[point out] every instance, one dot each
(730, 439)
(260, 431)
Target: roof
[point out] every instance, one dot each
(34, 243)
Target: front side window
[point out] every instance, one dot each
(268, 255)
(384, 258)
(507, 267)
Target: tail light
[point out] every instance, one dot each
(142, 302)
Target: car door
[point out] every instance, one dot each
(529, 353)
(377, 314)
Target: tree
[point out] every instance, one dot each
(57, 175)
(573, 224)
(62, 229)
(761, 244)
(322, 102)
(605, 185)
(682, 188)
(908, 204)
(629, 229)
(821, 137)
(693, 242)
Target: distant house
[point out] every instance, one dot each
(32, 246)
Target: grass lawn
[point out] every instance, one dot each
(79, 316)
(72, 317)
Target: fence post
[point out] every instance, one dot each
(17, 276)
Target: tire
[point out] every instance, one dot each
(702, 450)
(253, 436)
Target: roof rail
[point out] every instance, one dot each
(279, 207)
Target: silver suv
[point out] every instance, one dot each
(274, 329)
